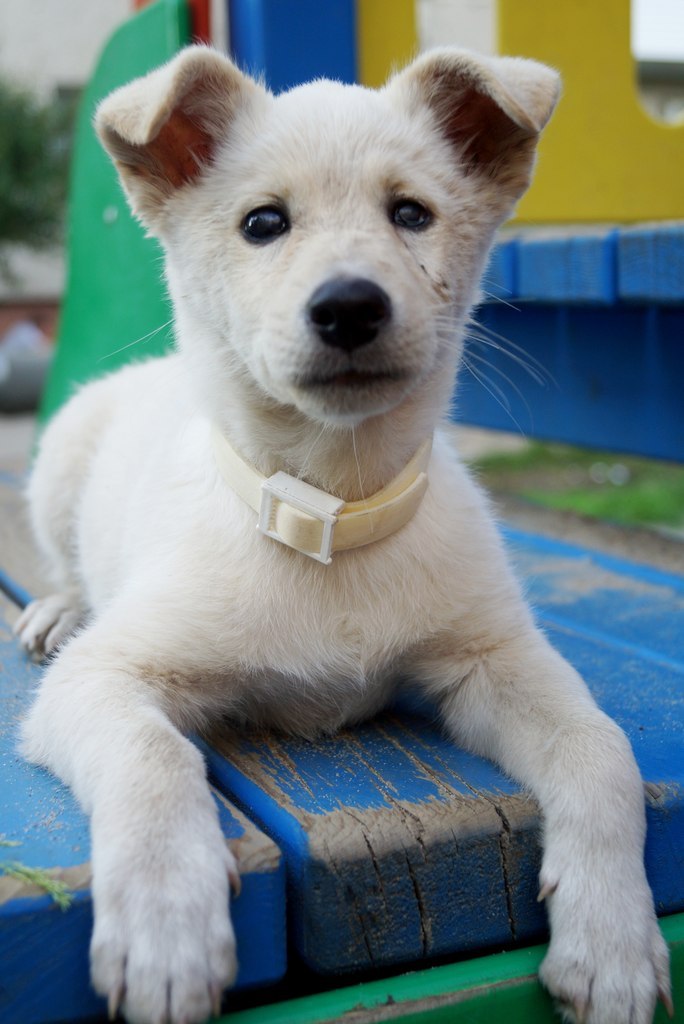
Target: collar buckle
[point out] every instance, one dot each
(283, 489)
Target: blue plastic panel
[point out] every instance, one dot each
(599, 316)
(651, 263)
(567, 268)
(644, 264)
(291, 43)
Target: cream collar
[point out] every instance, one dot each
(314, 522)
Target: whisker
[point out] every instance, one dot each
(495, 387)
(507, 346)
(494, 297)
(358, 471)
(537, 375)
(483, 361)
(137, 341)
(480, 379)
(307, 457)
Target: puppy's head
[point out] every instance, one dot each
(325, 245)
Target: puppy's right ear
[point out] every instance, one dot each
(162, 130)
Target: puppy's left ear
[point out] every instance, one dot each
(491, 109)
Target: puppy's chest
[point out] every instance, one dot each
(304, 623)
(309, 648)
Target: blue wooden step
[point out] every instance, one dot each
(399, 846)
(579, 338)
(602, 264)
(44, 949)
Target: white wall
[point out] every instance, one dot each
(468, 23)
(50, 43)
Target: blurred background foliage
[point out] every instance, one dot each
(602, 485)
(35, 146)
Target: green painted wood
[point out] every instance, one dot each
(116, 305)
(488, 990)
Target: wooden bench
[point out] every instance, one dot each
(385, 850)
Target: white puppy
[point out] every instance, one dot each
(323, 250)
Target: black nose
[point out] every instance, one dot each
(349, 312)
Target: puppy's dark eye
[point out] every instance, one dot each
(408, 213)
(264, 224)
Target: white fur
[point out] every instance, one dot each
(190, 613)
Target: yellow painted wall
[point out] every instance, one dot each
(602, 157)
(386, 38)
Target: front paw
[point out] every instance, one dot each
(163, 947)
(606, 966)
(47, 622)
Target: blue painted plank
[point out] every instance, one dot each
(288, 44)
(639, 606)
(17, 594)
(651, 263)
(611, 377)
(405, 869)
(395, 840)
(581, 265)
(44, 950)
(647, 701)
(567, 267)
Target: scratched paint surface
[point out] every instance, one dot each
(400, 846)
(639, 606)
(415, 864)
(35, 809)
(39, 941)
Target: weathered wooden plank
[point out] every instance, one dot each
(640, 606)
(44, 950)
(394, 851)
(399, 846)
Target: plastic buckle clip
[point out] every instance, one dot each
(285, 489)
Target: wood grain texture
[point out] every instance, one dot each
(41, 943)
(400, 847)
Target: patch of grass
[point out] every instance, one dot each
(605, 485)
(58, 890)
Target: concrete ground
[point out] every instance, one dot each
(16, 439)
